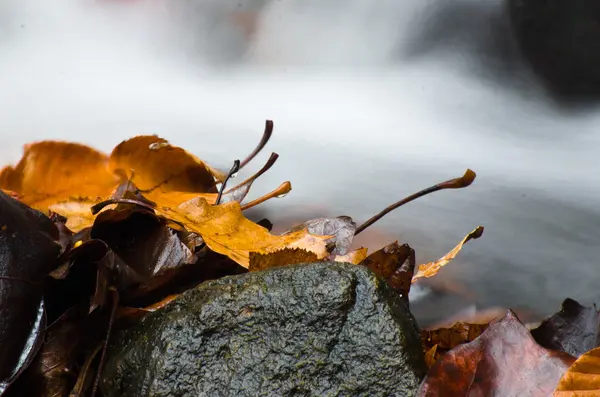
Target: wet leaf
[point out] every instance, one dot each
(573, 330)
(284, 257)
(28, 251)
(430, 269)
(582, 379)
(141, 240)
(503, 361)
(395, 264)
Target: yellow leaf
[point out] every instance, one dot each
(355, 257)
(430, 356)
(225, 230)
(582, 378)
(430, 269)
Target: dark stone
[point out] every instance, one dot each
(561, 41)
(325, 329)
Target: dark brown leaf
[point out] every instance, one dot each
(28, 252)
(503, 361)
(395, 264)
(573, 330)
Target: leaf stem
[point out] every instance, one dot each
(456, 183)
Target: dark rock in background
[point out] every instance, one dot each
(325, 329)
(561, 41)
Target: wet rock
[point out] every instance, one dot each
(561, 40)
(325, 329)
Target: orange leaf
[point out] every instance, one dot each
(52, 171)
(431, 356)
(154, 165)
(582, 378)
(430, 269)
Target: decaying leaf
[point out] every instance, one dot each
(430, 269)
(438, 341)
(283, 257)
(28, 251)
(582, 379)
(573, 330)
(394, 263)
(503, 361)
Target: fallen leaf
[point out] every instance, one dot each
(573, 330)
(503, 361)
(28, 252)
(395, 264)
(582, 379)
(449, 338)
(226, 231)
(141, 240)
(355, 257)
(437, 341)
(155, 165)
(430, 269)
(52, 171)
(283, 257)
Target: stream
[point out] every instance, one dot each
(371, 101)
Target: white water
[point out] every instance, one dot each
(371, 101)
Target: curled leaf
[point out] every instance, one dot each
(432, 268)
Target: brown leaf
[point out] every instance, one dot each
(573, 330)
(448, 338)
(582, 379)
(284, 257)
(430, 269)
(394, 263)
(28, 252)
(503, 361)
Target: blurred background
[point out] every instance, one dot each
(371, 101)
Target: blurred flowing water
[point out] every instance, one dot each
(371, 101)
